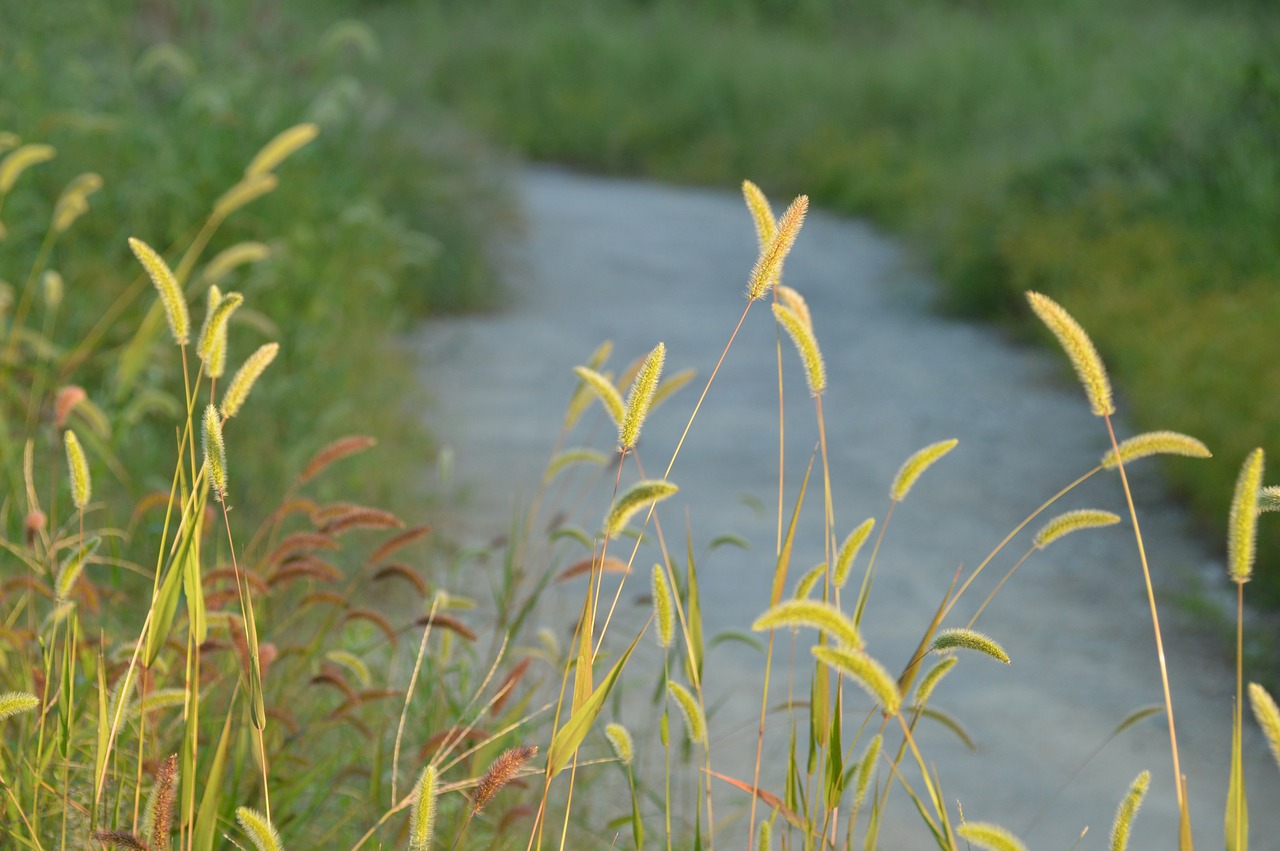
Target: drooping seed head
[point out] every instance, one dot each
(1073, 521)
(283, 146)
(914, 466)
(824, 617)
(248, 190)
(930, 680)
(246, 376)
(19, 160)
(15, 702)
(1080, 351)
(604, 391)
(865, 767)
(990, 836)
(230, 258)
(620, 740)
(761, 213)
(1264, 710)
(1156, 443)
(969, 639)
(636, 497)
(815, 371)
(869, 674)
(694, 724)
(849, 551)
(171, 297)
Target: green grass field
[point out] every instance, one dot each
(1123, 159)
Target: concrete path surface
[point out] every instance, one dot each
(638, 263)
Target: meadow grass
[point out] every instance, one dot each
(189, 677)
(1121, 157)
(388, 214)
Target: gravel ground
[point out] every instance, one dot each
(637, 263)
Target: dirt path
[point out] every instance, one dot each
(639, 263)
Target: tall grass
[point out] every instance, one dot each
(1119, 156)
(391, 213)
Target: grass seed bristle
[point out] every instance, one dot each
(78, 466)
(1080, 351)
(246, 376)
(849, 551)
(663, 609)
(1242, 522)
(761, 213)
(620, 740)
(768, 267)
(215, 451)
(171, 296)
(815, 371)
(1123, 824)
(604, 390)
(259, 829)
(501, 772)
(1264, 710)
(284, 145)
(422, 816)
(824, 617)
(990, 836)
(19, 160)
(915, 466)
(1073, 521)
(869, 674)
(1156, 443)
(695, 725)
(640, 397)
(335, 451)
(969, 639)
(14, 702)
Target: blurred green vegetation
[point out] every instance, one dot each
(390, 214)
(1124, 158)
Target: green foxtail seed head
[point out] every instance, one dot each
(212, 346)
(215, 452)
(869, 674)
(620, 741)
(1242, 522)
(244, 379)
(1080, 351)
(569, 457)
(248, 190)
(635, 498)
(662, 607)
(260, 830)
(51, 286)
(761, 213)
(813, 613)
(811, 578)
(19, 160)
(849, 551)
(917, 464)
(990, 836)
(74, 200)
(15, 702)
(1072, 521)
(694, 723)
(815, 372)
(969, 639)
(1156, 443)
(765, 842)
(72, 566)
(81, 486)
(1269, 499)
(1123, 824)
(768, 268)
(281, 148)
(930, 680)
(865, 768)
(605, 392)
(422, 816)
(640, 398)
(795, 302)
(1264, 709)
(225, 261)
(171, 297)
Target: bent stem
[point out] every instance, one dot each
(1178, 780)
